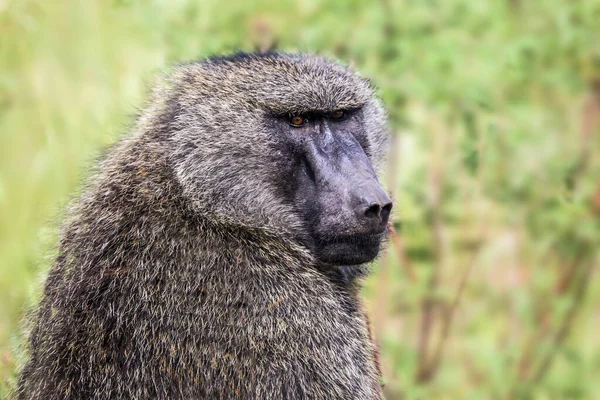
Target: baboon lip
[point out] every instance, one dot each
(356, 238)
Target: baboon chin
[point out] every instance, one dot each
(352, 250)
(217, 249)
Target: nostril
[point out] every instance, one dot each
(385, 212)
(373, 211)
(377, 212)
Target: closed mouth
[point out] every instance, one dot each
(364, 238)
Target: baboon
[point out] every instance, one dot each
(217, 250)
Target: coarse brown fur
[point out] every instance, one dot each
(182, 273)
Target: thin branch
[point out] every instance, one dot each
(590, 119)
(567, 323)
(428, 304)
(544, 330)
(437, 355)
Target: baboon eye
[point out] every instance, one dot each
(297, 120)
(339, 114)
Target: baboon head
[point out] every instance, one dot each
(288, 143)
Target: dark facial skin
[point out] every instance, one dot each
(329, 178)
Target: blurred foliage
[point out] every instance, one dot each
(490, 288)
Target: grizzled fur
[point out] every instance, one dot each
(182, 272)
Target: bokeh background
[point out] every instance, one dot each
(488, 290)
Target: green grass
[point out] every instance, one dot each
(494, 170)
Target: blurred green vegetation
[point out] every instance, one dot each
(490, 288)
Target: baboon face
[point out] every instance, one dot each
(287, 143)
(331, 182)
